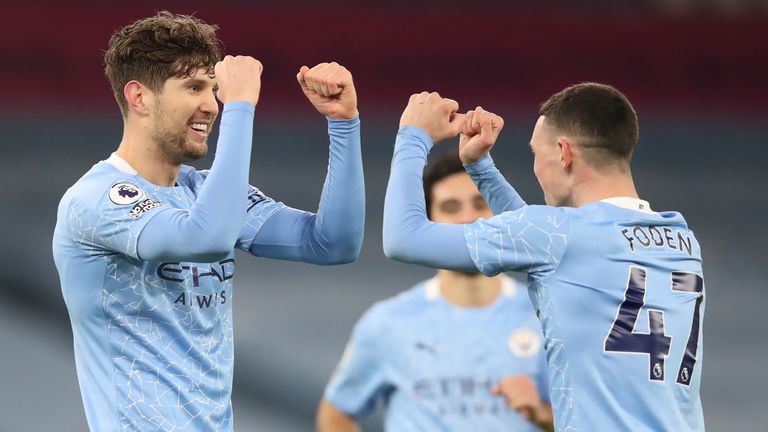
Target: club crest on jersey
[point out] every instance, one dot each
(524, 342)
(125, 193)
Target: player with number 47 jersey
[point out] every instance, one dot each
(618, 288)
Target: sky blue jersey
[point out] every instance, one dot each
(618, 288)
(150, 301)
(434, 364)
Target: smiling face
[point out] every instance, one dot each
(182, 117)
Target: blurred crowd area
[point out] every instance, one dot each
(695, 69)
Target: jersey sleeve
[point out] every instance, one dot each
(334, 234)
(542, 378)
(532, 239)
(259, 208)
(498, 193)
(360, 378)
(209, 229)
(112, 222)
(408, 235)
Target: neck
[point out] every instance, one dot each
(468, 290)
(142, 154)
(598, 186)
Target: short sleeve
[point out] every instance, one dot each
(359, 378)
(531, 239)
(113, 221)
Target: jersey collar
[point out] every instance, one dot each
(432, 288)
(630, 203)
(121, 164)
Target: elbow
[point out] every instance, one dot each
(394, 247)
(343, 252)
(212, 248)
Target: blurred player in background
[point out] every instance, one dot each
(441, 354)
(618, 287)
(144, 244)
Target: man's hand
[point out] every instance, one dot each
(521, 394)
(238, 79)
(479, 134)
(330, 88)
(433, 113)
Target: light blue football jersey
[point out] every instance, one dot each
(153, 340)
(434, 364)
(619, 290)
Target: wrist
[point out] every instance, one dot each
(480, 165)
(351, 115)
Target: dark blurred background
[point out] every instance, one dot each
(696, 71)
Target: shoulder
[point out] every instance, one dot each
(391, 311)
(101, 184)
(529, 221)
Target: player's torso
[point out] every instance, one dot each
(622, 317)
(445, 361)
(154, 339)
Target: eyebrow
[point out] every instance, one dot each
(197, 81)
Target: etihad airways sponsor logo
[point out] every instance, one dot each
(201, 300)
(180, 272)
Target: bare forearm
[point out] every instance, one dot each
(331, 419)
(544, 418)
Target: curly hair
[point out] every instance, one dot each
(154, 49)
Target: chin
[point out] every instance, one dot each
(195, 151)
(470, 274)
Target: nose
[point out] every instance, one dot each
(469, 215)
(209, 105)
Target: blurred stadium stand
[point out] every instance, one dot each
(696, 72)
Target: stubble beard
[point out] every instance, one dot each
(172, 142)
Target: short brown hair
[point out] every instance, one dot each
(156, 48)
(440, 167)
(599, 118)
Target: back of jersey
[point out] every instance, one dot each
(622, 315)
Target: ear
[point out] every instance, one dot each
(566, 154)
(138, 97)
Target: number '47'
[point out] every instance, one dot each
(623, 339)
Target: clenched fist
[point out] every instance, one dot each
(329, 87)
(239, 79)
(479, 134)
(433, 113)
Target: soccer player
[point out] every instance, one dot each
(441, 354)
(144, 244)
(617, 286)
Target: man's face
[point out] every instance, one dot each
(456, 200)
(183, 116)
(548, 165)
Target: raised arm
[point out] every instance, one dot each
(334, 234)
(208, 231)
(408, 235)
(479, 134)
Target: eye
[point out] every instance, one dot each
(450, 206)
(480, 203)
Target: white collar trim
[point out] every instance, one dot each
(630, 203)
(121, 164)
(432, 288)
